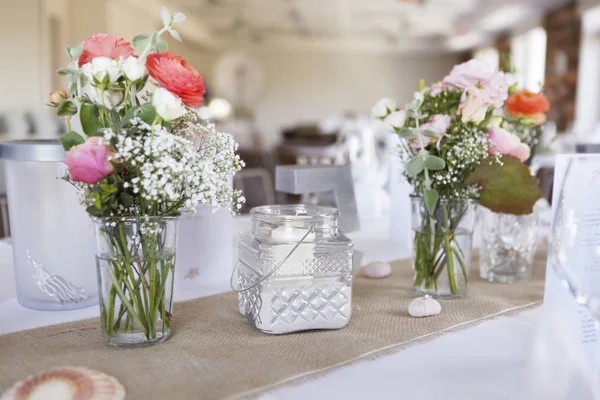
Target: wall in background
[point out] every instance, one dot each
(301, 86)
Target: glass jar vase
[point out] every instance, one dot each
(295, 270)
(508, 246)
(442, 244)
(135, 261)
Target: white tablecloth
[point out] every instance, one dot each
(484, 362)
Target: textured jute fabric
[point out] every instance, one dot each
(216, 353)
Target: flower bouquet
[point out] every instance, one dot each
(143, 157)
(455, 158)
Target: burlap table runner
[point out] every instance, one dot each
(215, 353)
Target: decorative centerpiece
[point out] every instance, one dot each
(454, 159)
(509, 241)
(143, 157)
(295, 270)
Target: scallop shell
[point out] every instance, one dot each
(65, 384)
(424, 307)
(377, 269)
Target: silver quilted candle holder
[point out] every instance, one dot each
(295, 270)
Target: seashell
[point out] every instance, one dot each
(377, 269)
(424, 307)
(65, 384)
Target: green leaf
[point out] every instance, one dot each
(513, 88)
(107, 188)
(140, 42)
(431, 197)
(434, 163)
(160, 45)
(126, 199)
(92, 210)
(146, 113)
(66, 71)
(178, 18)
(75, 52)
(175, 35)
(71, 139)
(508, 188)
(421, 84)
(407, 133)
(415, 166)
(430, 133)
(90, 118)
(66, 108)
(165, 15)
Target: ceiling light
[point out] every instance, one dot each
(464, 42)
(504, 17)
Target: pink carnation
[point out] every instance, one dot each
(89, 162)
(507, 143)
(479, 73)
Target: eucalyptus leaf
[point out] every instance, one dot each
(434, 163)
(75, 52)
(430, 133)
(90, 118)
(161, 45)
(67, 71)
(179, 18)
(165, 16)
(407, 133)
(431, 197)
(146, 113)
(71, 139)
(140, 42)
(66, 108)
(175, 35)
(415, 166)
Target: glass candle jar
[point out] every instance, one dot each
(295, 270)
(52, 236)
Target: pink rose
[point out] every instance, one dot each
(480, 74)
(439, 124)
(89, 162)
(104, 45)
(507, 143)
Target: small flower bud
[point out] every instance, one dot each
(57, 96)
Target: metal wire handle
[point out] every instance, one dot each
(263, 278)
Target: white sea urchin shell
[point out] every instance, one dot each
(424, 307)
(66, 384)
(377, 269)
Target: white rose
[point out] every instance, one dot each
(134, 69)
(474, 105)
(102, 70)
(167, 105)
(383, 107)
(109, 100)
(396, 119)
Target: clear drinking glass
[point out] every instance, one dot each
(442, 246)
(575, 244)
(136, 263)
(508, 246)
(295, 270)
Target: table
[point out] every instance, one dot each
(488, 361)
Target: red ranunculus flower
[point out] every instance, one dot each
(104, 45)
(528, 104)
(177, 76)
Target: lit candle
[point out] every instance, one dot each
(292, 236)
